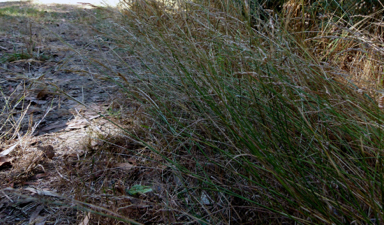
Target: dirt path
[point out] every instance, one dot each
(45, 82)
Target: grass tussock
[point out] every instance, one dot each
(252, 119)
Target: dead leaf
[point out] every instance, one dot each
(48, 150)
(86, 219)
(9, 150)
(125, 166)
(77, 124)
(40, 220)
(75, 154)
(35, 214)
(43, 94)
(42, 192)
(120, 187)
(132, 161)
(39, 176)
(94, 117)
(5, 161)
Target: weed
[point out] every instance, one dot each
(14, 57)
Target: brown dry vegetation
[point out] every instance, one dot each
(222, 117)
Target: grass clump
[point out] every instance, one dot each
(18, 11)
(270, 125)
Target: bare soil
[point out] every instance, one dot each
(50, 97)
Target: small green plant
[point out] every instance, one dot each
(11, 57)
(14, 57)
(139, 189)
(114, 113)
(21, 11)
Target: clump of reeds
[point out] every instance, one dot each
(256, 124)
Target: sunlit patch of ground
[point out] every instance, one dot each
(112, 3)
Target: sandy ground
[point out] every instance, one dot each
(50, 99)
(112, 3)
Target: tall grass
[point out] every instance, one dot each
(262, 124)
